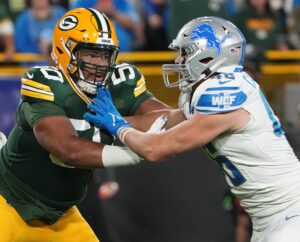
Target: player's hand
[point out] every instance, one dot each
(105, 113)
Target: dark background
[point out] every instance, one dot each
(178, 200)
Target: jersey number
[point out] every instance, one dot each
(52, 73)
(226, 165)
(123, 72)
(276, 124)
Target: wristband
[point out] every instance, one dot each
(114, 156)
(123, 132)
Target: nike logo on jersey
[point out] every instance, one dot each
(29, 75)
(223, 82)
(289, 217)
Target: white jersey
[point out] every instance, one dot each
(260, 165)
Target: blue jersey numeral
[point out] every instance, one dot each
(226, 165)
(276, 124)
(230, 170)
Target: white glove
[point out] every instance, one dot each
(184, 102)
(3, 139)
(114, 156)
(158, 125)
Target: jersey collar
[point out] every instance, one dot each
(230, 69)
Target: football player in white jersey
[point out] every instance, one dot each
(228, 115)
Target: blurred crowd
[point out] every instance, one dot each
(27, 25)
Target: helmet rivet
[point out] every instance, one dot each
(69, 43)
(70, 67)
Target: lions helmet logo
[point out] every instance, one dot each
(207, 31)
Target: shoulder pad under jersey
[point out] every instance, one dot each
(128, 76)
(223, 93)
(43, 83)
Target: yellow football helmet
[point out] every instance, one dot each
(79, 29)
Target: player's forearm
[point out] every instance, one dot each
(79, 153)
(152, 147)
(174, 117)
(87, 154)
(58, 137)
(143, 144)
(144, 121)
(157, 147)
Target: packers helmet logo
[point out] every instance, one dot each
(68, 22)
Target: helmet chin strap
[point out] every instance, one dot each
(87, 87)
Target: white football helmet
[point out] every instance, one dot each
(205, 45)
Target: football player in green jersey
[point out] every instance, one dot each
(47, 162)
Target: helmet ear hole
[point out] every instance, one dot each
(59, 50)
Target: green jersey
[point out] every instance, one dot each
(32, 180)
